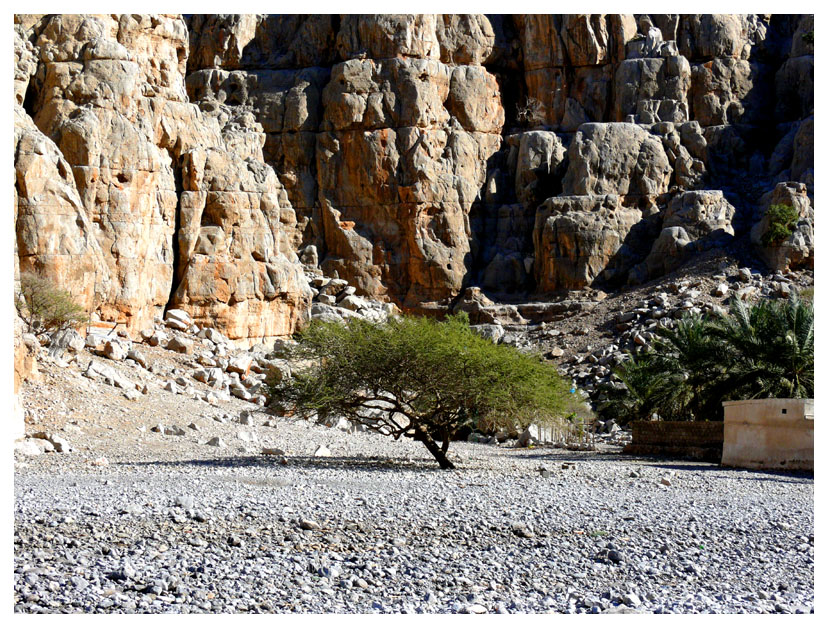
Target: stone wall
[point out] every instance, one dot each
(698, 440)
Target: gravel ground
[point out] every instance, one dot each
(132, 520)
(377, 527)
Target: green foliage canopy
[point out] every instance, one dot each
(45, 306)
(420, 378)
(781, 222)
(759, 350)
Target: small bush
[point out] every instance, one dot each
(422, 379)
(46, 307)
(781, 222)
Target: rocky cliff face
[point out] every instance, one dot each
(132, 197)
(171, 162)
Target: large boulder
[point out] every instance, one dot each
(581, 238)
(700, 213)
(619, 159)
(797, 250)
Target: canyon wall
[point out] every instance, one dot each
(164, 161)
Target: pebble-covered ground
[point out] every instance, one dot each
(376, 527)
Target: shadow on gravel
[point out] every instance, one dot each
(562, 455)
(668, 464)
(345, 463)
(790, 477)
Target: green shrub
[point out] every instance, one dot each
(46, 307)
(420, 378)
(758, 351)
(781, 222)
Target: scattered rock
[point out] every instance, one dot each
(180, 345)
(322, 452)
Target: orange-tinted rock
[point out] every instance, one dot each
(578, 239)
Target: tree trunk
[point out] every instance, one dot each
(438, 452)
(446, 441)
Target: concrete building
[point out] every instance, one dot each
(769, 434)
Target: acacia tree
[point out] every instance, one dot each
(44, 306)
(420, 378)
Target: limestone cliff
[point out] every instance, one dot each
(171, 162)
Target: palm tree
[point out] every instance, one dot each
(773, 349)
(672, 378)
(759, 350)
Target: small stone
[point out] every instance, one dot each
(322, 452)
(240, 364)
(631, 599)
(61, 444)
(216, 441)
(180, 345)
(114, 350)
(234, 541)
(309, 524)
(187, 502)
(139, 357)
(178, 319)
(615, 556)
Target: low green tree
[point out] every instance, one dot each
(420, 378)
(43, 306)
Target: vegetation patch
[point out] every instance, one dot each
(781, 222)
(45, 307)
(758, 351)
(422, 379)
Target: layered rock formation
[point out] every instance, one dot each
(163, 162)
